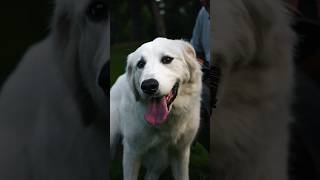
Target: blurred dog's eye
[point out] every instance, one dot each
(141, 63)
(166, 59)
(98, 11)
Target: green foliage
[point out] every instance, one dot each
(199, 162)
(122, 21)
(198, 168)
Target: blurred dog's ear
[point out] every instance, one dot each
(61, 23)
(131, 79)
(191, 60)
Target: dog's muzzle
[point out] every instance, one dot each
(158, 108)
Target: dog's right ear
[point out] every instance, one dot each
(131, 79)
(191, 60)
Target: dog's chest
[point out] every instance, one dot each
(169, 134)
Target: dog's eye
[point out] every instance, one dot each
(98, 11)
(141, 63)
(166, 59)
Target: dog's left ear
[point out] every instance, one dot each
(191, 60)
(131, 79)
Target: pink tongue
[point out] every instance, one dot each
(157, 111)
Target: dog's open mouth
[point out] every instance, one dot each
(159, 107)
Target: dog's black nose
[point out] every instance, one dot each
(150, 86)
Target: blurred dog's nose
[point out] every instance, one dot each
(150, 86)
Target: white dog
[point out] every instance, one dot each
(53, 107)
(155, 107)
(253, 45)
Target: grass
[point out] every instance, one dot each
(199, 160)
(198, 169)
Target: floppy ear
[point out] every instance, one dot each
(191, 60)
(131, 79)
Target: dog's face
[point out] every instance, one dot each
(157, 70)
(81, 30)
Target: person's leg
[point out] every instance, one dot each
(204, 130)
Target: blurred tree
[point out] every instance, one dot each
(135, 7)
(143, 20)
(180, 17)
(158, 17)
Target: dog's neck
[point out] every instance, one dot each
(190, 96)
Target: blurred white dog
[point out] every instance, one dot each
(155, 107)
(253, 45)
(53, 107)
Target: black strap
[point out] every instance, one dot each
(213, 81)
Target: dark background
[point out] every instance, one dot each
(143, 20)
(22, 24)
(305, 143)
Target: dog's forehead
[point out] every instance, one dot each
(159, 47)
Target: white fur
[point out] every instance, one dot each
(253, 45)
(44, 102)
(169, 143)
